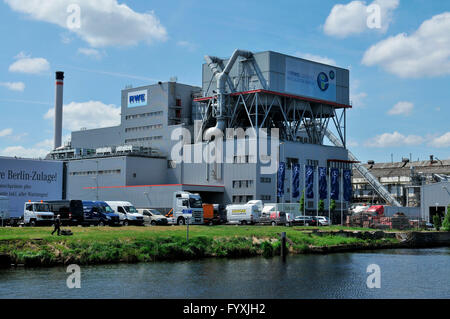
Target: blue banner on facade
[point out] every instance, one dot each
(347, 185)
(323, 183)
(334, 187)
(280, 179)
(309, 180)
(296, 180)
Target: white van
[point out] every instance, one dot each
(243, 214)
(128, 214)
(37, 214)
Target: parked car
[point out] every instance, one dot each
(272, 217)
(112, 219)
(153, 217)
(36, 214)
(211, 214)
(127, 213)
(70, 211)
(244, 214)
(323, 221)
(303, 221)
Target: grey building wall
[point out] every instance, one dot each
(434, 195)
(97, 137)
(146, 125)
(272, 67)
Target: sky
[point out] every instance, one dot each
(397, 51)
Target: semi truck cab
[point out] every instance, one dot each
(37, 214)
(187, 206)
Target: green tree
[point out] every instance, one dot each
(321, 206)
(332, 205)
(437, 222)
(446, 223)
(302, 203)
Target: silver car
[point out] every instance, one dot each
(153, 217)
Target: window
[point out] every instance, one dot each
(143, 115)
(265, 180)
(266, 197)
(178, 102)
(312, 162)
(291, 161)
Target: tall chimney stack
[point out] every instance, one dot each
(58, 108)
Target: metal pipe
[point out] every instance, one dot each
(58, 109)
(221, 78)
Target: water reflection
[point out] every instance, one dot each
(415, 273)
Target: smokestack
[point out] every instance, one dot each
(58, 108)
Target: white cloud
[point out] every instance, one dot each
(426, 52)
(316, 58)
(402, 108)
(13, 86)
(357, 99)
(441, 141)
(21, 151)
(94, 53)
(394, 140)
(91, 114)
(102, 23)
(351, 18)
(27, 64)
(6, 132)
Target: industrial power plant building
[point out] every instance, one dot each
(139, 160)
(254, 130)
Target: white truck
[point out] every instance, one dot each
(186, 206)
(244, 214)
(37, 213)
(4, 210)
(128, 214)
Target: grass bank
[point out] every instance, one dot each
(99, 245)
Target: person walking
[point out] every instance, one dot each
(57, 225)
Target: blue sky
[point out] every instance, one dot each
(399, 72)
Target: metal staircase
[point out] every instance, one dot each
(377, 186)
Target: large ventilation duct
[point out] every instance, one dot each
(221, 78)
(58, 108)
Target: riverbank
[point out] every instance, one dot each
(34, 247)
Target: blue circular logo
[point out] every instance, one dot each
(322, 81)
(332, 74)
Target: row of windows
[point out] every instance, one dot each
(266, 180)
(243, 184)
(266, 197)
(142, 115)
(143, 128)
(103, 172)
(237, 199)
(143, 139)
(244, 159)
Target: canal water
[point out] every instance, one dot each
(405, 273)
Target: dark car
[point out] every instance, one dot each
(107, 212)
(96, 213)
(71, 211)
